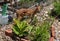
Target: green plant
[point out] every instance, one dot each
(41, 33)
(34, 21)
(19, 28)
(26, 1)
(35, 33)
(57, 8)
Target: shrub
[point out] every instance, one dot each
(26, 1)
(41, 33)
(34, 33)
(19, 28)
(57, 8)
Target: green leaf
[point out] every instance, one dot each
(16, 30)
(19, 28)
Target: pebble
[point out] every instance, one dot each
(59, 23)
(57, 29)
(3, 37)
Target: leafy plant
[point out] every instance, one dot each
(34, 21)
(41, 33)
(19, 28)
(26, 1)
(35, 33)
(57, 8)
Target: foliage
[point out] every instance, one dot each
(19, 28)
(57, 8)
(34, 21)
(40, 1)
(26, 1)
(35, 33)
(41, 33)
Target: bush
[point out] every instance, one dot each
(19, 28)
(34, 33)
(57, 8)
(41, 33)
(26, 1)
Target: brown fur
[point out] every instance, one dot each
(20, 13)
(29, 12)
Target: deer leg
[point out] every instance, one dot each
(31, 19)
(20, 18)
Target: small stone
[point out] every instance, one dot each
(0, 36)
(51, 39)
(58, 36)
(58, 23)
(1, 40)
(35, 15)
(51, 8)
(58, 29)
(53, 31)
(8, 32)
(46, 12)
(44, 19)
(25, 40)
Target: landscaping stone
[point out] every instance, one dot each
(56, 24)
(9, 32)
(24, 40)
(53, 31)
(51, 39)
(3, 37)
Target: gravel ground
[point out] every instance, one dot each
(43, 15)
(56, 24)
(3, 37)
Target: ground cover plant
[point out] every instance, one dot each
(56, 11)
(19, 28)
(57, 7)
(41, 33)
(34, 33)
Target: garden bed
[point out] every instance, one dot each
(37, 30)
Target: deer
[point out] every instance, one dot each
(27, 12)
(20, 13)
